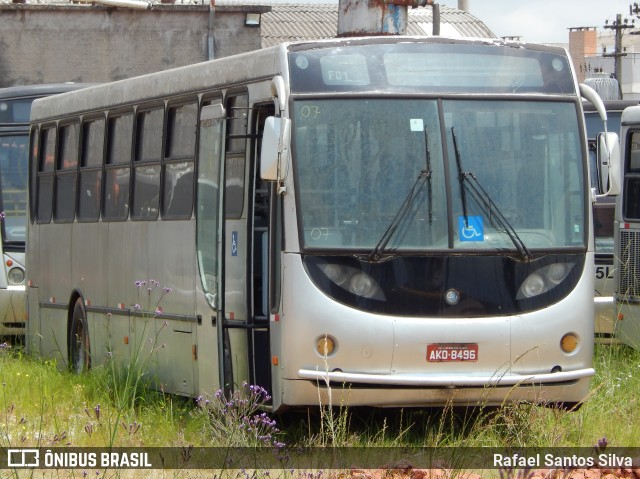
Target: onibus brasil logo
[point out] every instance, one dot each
(36, 458)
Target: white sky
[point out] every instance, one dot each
(545, 21)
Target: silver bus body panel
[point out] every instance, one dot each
(376, 352)
(107, 258)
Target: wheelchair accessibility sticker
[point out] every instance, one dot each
(234, 243)
(472, 229)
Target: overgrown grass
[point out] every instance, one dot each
(41, 406)
(610, 412)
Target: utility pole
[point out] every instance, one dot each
(618, 26)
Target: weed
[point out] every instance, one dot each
(128, 383)
(237, 421)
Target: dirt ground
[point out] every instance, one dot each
(410, 473)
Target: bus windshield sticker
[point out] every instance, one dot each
(416, 124)
(470, 228)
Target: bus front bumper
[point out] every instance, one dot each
(445, 380)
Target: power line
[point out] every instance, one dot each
(619, 26)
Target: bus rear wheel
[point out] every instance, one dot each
(80, 351)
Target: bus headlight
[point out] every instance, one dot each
(362, 284)
(353, 280)
(543, 280)
(16, 275)
(335, 273)
(532, 286)
(557, 272)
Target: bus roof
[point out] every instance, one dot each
(220, 73)
(224, 73)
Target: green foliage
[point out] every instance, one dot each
(34, 392)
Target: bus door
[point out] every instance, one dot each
(244, 332)
(264, 236)
(210, 245)
(236, 323)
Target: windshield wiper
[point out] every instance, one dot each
(423, 177)
(469, 183)
(428, 158)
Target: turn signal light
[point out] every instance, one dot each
(325, 346)
(569, 343)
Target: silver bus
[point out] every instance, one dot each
(603, 215)
(15, 106)
(385, 221)
(627, 232)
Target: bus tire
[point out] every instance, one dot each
(79, 346)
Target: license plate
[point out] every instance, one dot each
(449, 352)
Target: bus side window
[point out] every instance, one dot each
(236, 145)
(631, 209)
(45, 175)
(34, 136)
(210, 156)
(91, 170)
(67, 172)
(117, 170)
(146, 183)
(177, 200)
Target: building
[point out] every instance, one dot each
(91, 43)
(49, 41)
(593, 52)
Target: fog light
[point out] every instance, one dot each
(325, 346)
(16, 275)
(569, 343)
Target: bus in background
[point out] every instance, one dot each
(603, 216)
(384, 221)
(627, 232)
(15, 107)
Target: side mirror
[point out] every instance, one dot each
(274, 152)
(608, 153)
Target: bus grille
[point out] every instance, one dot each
(629, 272)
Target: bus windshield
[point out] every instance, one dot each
(13, 186)
(373, 172)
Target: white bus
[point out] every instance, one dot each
(603, 217)
(388, 221)
(15, 106)
(627, 232)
